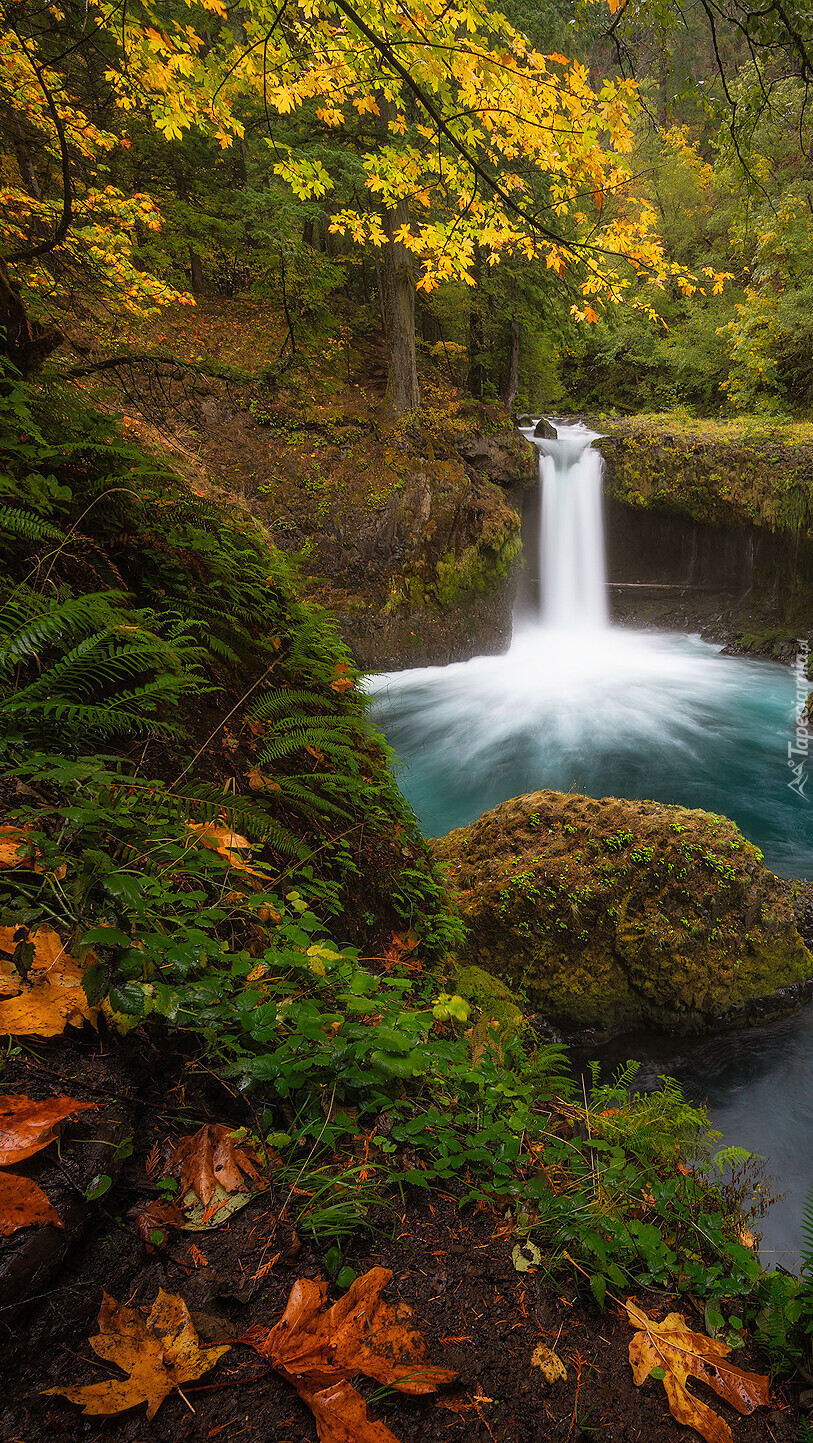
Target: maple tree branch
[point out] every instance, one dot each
(113, 363)
(425, 101)
(31, 253)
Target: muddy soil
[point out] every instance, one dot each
(452, 1265)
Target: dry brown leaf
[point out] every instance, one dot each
(13, 840)
(23, 1205)
(319, 1349)
(342, 681)
(52, 996)
(156, 1217)
(549, 1364)
(210, 1156)
(259, 782)
(26, 1127)
(159, 1353)
(672, 1346)
(359, 1334)
(226, 843)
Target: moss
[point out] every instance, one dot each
(501, 1021)
(721, 476)
(612, 913)
(481, 568)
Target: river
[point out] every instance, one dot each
(577, 704)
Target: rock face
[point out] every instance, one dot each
(710, 529)
(612, 914)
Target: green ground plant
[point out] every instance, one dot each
(243, 877)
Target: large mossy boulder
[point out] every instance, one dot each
(614, 914)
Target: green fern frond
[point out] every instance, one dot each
(807, 1236)
(286, 701)
(31, 528)
(29, 624)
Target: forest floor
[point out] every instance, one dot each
(452, 1266)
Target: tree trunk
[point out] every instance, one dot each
(512, 381)
(25, 343)
(22, 151)
(196, 271)
(398, 295)
(477, 372)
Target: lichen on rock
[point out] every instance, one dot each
(611, 914)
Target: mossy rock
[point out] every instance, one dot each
(499, 1021)
(612, 914)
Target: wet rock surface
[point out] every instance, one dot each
(613, 914)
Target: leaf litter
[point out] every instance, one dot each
(50, 997)
(218, 1173)
(675, 1353)
(26, 1127)
(320, 1349)
(158, 1353)
(315, 1348)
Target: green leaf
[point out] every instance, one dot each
(129, 998)
(98, 1186)
(96, 981)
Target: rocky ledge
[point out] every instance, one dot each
(614, 914)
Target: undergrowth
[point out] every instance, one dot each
(212, 826)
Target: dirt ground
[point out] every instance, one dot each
(452, 1267)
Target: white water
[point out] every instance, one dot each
(571, 543)
(579, 704)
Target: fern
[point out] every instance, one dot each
(21, 523)
(807, 1237)
(282, 702)
(97, 671)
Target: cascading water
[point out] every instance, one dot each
(578, 704)
(571, 542)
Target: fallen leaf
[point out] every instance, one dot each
(549, 1364)
(526, 1256)
(52, 996)
(213, 1156)
(12, 842)
(219, 839)
(341, 1416)
(673, 1348)
(259, 782)
(156, 1217)
(23, 1205)
(342, 681)
(319, 1349)
(200, 1218)
(159, 1353)
(26, 1127)
(226, 843)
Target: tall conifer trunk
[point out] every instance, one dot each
(398, 296)
(512, 379)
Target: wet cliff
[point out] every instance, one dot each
(710, 528)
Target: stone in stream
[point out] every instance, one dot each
(616, 914)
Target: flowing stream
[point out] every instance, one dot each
(577, 704)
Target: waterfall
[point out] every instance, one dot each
(571, 542)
